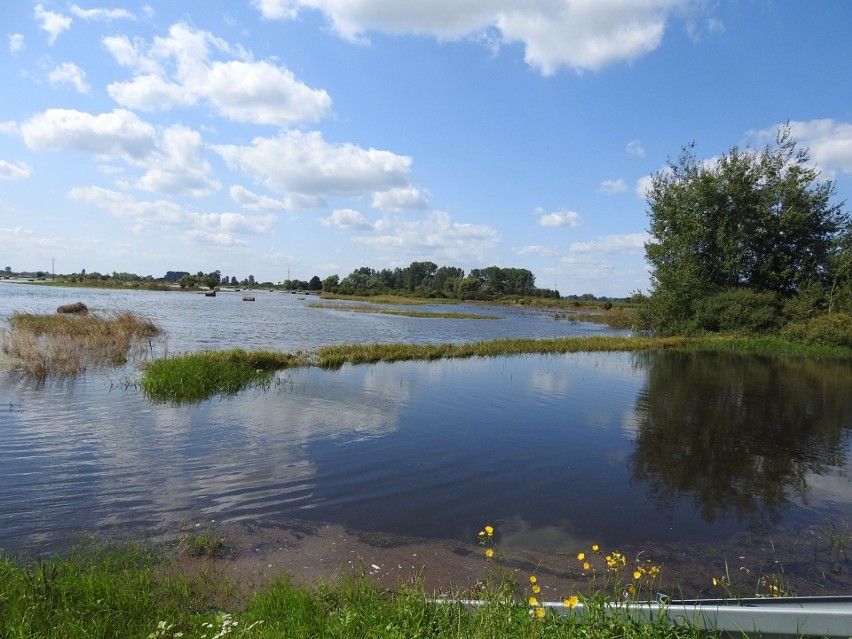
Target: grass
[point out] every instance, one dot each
(64, 345)
(386, 311)
(127, 591)
(193, 377)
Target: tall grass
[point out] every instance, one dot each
(387, 311)
(62, 345)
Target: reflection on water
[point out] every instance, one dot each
(739, 434)
(610, 448)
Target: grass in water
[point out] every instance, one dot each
(194, 377)
(63, 345)
(387, 311)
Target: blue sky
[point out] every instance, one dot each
(312, 137)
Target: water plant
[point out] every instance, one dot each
(64, 345)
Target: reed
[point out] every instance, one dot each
(387, 311)
(65, 345)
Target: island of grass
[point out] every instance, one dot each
(387, 311)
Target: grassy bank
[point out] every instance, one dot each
(60, 344)
(131, 592)
(197, 376)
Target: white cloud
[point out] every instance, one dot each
(537, 249)
(51, 22)
(644, 186)
(118, 134)
(16, 43)
(347, 219)
(16, 171)
(611, 187)
(178, 70)
(556, 34)
(101, 14)
(635, 149)
(629, 242)
(436, 237)
(298, 163)
(829, 141)
(255, 202)
(178, 166)
(217, 228)
(562, 219)
(173, 161)
(404, 198)
(69, 73)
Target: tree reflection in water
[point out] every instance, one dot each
(739, 434)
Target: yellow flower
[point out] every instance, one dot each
(489, 553)
(572, 601)
(595, 547)
(581, 556)
(536, 589)
(586, 565)
(533, 579)
(489, 530)
(539, 612)
(715, 583)
(533, 601)
(482, 533)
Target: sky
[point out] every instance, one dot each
(291, 138)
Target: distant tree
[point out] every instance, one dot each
(8, 269)
(234, 281)
(315, 284)
(330, 284)
(759, 220)
(251, 280)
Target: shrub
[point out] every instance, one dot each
(739, 310)
(833, 329)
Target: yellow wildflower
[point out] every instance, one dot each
(533, 579)
(489, 530)
(489, 553)
(533, 601)
(536, 588)
(595, 547)
(581, 556)
(586, 565)
(572, 601)
(715, 583)
(636, 574)
(539, 612)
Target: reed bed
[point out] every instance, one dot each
(388, 311)
(64, 345)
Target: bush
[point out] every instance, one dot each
(833, 329)
(739, 310)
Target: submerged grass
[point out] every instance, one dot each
(129, 592)
(387, 311)
(194, 377)
(62, 345)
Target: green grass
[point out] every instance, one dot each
(129, 592)
(387, 311)
(193, 377)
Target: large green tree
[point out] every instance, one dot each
(750, 222)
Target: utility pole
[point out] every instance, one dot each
(53, 267)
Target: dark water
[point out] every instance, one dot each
(610, 448)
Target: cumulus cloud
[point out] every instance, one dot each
(70, 74)
(560, 219)
(404, 198)
(347, 219)
(16, 43)
(179, 70)
(15, 171)
(256, 202)
(218, 228)
(829, 141)
(173, 160)
(611, 187)
(298, 163)
(51, 22)
(437, 236)
(556, 34)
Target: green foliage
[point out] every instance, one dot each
(757, 220)
(834, 329)
(738, 310)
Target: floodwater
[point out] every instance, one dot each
(627, 450)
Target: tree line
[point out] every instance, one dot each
(427, 279)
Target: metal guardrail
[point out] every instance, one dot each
(778, 617)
